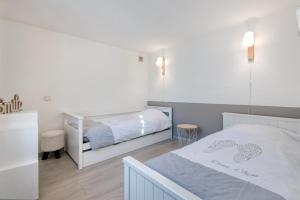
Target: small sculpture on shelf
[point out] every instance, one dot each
(15, 105)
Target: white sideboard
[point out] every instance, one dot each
(19, 156)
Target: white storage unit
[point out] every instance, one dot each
(19, 156)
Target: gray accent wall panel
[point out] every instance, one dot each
(209, 116)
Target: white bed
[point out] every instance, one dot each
(142, 182)
(81, 152)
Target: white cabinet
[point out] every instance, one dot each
(19, 156)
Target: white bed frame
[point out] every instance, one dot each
(76, 149)
(143, 183)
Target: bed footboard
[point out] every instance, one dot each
(143, 183)
(74, 137)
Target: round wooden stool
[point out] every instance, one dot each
(187, 133)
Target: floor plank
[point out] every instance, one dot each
(60, 179)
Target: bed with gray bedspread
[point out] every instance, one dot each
(244, 162)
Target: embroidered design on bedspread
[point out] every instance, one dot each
(242, 171)
(245, 153)
(220, 144)
(220, 164)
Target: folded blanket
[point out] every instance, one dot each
(98, 134)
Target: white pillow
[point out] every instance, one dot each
(156, 118)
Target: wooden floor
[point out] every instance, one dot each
(60, 179)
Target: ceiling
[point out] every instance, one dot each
(141, 25)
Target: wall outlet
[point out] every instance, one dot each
(141, 59)
(47, 98)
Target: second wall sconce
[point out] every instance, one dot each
(162, 63)
(249, 43)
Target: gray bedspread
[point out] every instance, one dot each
(98, 134)
(206, 183)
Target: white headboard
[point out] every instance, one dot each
(231, 119)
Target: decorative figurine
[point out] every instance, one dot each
(15, 105)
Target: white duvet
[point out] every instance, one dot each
(266, 156)
(129, 126)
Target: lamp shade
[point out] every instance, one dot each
(160, 61)
(298, 17)
(249, 39)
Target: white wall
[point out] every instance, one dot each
(213, 68)
(84, 75)
(78, 74)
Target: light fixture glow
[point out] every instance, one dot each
(162, 62)
(159, 61)
(249, 39)
(249, 42)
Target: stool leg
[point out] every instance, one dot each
(179, 136)
(57, 154)
(45, 155)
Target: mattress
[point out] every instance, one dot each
(244, 162)
(99, 133)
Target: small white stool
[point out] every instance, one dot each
(52, 141)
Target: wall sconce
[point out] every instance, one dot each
(162, 63)
(249, 42)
